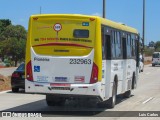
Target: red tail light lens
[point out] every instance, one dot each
(15, 75)
(29, 74)
(94, 75)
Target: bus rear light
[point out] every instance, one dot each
(29, 74)
(94, 74)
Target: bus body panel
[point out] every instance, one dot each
(123, 69)
(60, 58)
(51, 69)
(72, 89)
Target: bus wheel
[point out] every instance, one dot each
(112, 101)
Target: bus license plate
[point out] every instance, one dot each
(61, 79)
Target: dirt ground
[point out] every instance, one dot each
(147, 62)
(5, 83)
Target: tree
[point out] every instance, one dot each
(3, 24)
(157, 46)
(13, 44)
(151, 44)
(17, 32)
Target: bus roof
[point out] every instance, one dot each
(106, 22)
(119, 26)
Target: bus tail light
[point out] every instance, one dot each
(29, 71)
(94, 74)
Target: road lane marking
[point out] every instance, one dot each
(149, 99)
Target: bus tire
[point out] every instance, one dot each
(50, 100)
(50, 103)
(112, 101)
(142, 70)
(134, 81)
(54, 101)
(153, 65)
(15, 90)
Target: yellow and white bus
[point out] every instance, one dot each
(80, 56)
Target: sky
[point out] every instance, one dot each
(129, 12)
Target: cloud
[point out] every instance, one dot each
(97, 14)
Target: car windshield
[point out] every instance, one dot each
(156, 55)
(21, 67)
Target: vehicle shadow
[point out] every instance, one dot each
(71, 108)
(21, 91)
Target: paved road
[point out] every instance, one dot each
(145, 98)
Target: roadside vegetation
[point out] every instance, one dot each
(12, 43)
(155, 47)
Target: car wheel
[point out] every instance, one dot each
(15, 90)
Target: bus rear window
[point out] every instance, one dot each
(80, 33)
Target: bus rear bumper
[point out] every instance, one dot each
(65, 89)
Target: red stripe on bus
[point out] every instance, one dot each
(62, 44)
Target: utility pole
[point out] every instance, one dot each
(143, 39)
(40, 10)
(104, 8)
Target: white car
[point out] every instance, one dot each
(156, 59)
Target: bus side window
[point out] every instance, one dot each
(124, 46)
(113, 51)
(118, 46)
(128, 46)
(103, 44)
(108, 46)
